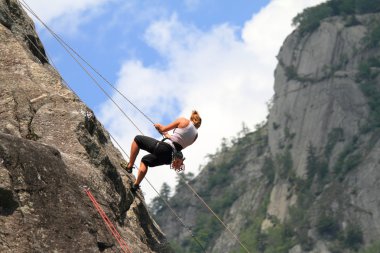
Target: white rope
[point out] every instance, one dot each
(68, 49)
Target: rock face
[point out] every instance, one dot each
(51, 145)
(307, 180)
(324, 104)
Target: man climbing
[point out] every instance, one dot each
(167, 151)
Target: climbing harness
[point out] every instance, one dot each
(165, 201)
(177, 161)
(123, 245)
(177, 156)
(64, 45)
(70, 50)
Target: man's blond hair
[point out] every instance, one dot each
(196, 119)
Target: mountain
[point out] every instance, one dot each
(52, 148)
(307, 179)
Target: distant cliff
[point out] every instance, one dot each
(308, 180)
(51, 145)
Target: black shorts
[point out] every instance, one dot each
(160, 152)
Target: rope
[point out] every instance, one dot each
(88, 192)
(105, 218)
(210, 209)
(104, 79)
(166, 202)
(81, 65)
(123, 245)
(61, 41)
(46, 57)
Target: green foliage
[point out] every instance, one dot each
(219, 193)
(371, 91)
(287, 141)
(346, 163)
(350, 239)
(366, 76)
(205, 230)
(291, 73)
(353, 237)
(312, 163)
(352, 161)
(176, 247)
(315, 166)
(364, 72)
(328, 227)
(305, 195)
(182, 179)
(346, 7)
(300, 222)
(224, 201)
(260, 141)
(268, 169)
(207, 227)
(275, 125)
(350, 7)
(158, 203)
(220, 177)
(328, 71)
(251, 236)
(352, 21)
(310, 18)
(298, 217)
(374, 62)
(367, 6)
(288, 135)
(278, 239)
(368, 70)
(374, 248)
(229, 156)
(336, 135)
(348, 159)
(284, 164)
(322, 171)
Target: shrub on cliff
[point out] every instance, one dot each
(309, 20)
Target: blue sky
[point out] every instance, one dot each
(115, 32)
(170, 57)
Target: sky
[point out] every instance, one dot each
(169, 58)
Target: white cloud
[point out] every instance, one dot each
(228, 77)
(265, 32)
(65, 15)
(226, 73)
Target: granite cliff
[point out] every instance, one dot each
(51, 145)
(307, 180)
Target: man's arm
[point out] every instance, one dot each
(180, 122)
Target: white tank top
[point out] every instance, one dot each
(185, 136)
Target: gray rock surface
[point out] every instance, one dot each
(51, 145)
(325, 96)
(319, 104)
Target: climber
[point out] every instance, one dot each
(166, 151)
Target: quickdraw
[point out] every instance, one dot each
(177, 161)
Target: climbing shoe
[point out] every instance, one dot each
(135, 188)
(124, 165)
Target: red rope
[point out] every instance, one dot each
(123, 245)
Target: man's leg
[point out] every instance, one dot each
(141, 142)
(141, 173)
(134, 152)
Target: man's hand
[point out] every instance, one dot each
(159, 127)
(178, 165)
